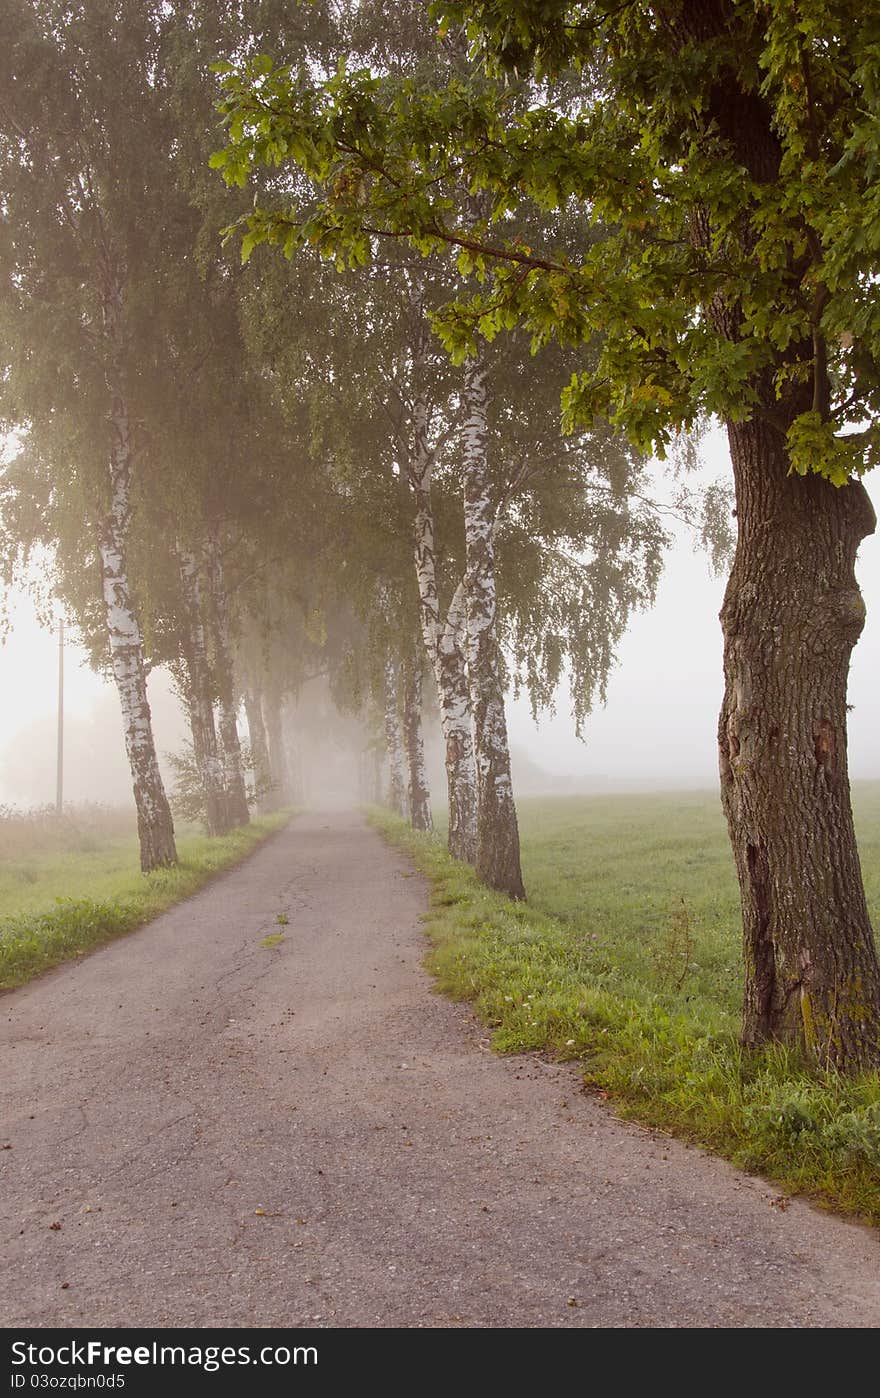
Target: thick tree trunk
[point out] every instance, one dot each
(200, 696)
(279, 792)
(791, 616)
(498, 856)
(236, 791)
(155, 825)
(394, 742)
(443, 639)
(418, 792)
(259, 744)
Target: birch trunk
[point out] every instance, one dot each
(236, 791)
(443, 637)
(259, 750)
(155, 825)
(498, 856)
(456, 722)
(394, 742)
(419, 794)
(200, 698)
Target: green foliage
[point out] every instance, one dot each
(58, 927)
(578, 546)
(187, 797)
(728, 161)
(626, 960)
(107, 125)
(188, 800)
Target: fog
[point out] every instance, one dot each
(656, 731)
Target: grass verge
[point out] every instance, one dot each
(33, 941)
(541, 984)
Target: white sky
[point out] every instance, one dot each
(659, 725)
(658, 728)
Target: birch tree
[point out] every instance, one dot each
(498, 858)
(226, 688)
(461, 637)
(392, 415)
(443, 629)
(728, 152)
(199, 692)
(418, 792)
(397, 798)
(78, 177)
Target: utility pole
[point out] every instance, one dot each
(59, 778)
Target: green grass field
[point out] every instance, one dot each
(68, 887)
(627, 957)
(648, 885)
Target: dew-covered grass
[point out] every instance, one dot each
(626, 958)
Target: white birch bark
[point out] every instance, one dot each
(442, 636)
(236, 791)
(394, 741)
(417, 790)
(155, 825)
(498, 856)
(200, 701)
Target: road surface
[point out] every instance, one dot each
(204, 1130)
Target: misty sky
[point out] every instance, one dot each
(658, 728)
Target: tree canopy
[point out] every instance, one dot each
(656, 140)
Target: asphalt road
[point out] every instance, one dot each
(204, 1130)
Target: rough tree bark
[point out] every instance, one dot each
(417, 786)
(443, 637)
(224, 674)
(261, 765)
(498, 856)
(791, 616)
(155, 825)
(200, 695)
(394, 741)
